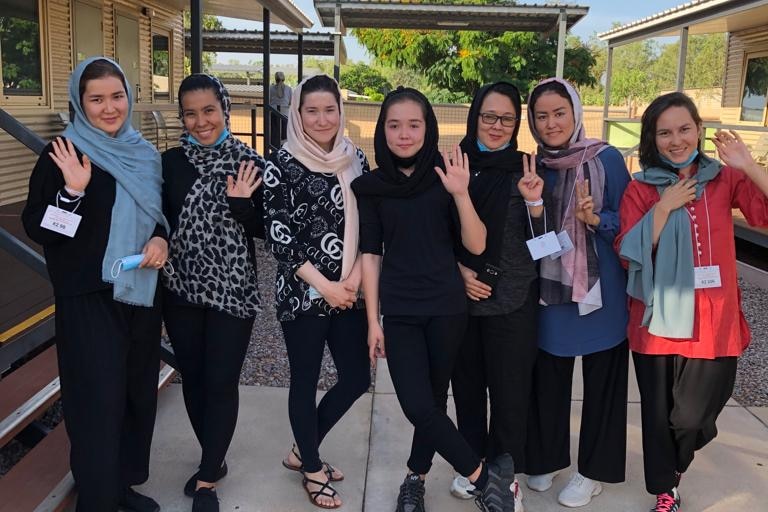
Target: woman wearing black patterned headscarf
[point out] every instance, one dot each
(415, 210)
(499, 349)
(212, 200)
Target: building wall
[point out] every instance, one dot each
(740, 45)
(16, 161)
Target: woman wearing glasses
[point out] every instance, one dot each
(499, 349)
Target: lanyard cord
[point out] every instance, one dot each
(709, 230)
(530, 223)
(573, 189)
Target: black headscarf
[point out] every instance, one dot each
(387, 180)
(493, 176)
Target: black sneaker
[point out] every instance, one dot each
(189, 487)
(411, 497)
(135, 502)
(205, 500)
(667, 501)
(497, 496)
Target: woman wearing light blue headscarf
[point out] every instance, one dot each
(94, 204)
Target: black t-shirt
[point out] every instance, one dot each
(74, 264)
(417, 236)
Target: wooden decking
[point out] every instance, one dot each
(25, 297)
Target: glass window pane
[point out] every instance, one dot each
(755, 90)
(160, 66)
(20, 46)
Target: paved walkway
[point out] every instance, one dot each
(371, 445)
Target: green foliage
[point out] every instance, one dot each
(209, 58)
(642, 70)
(20, 43)
(361, 77)
(462, 61)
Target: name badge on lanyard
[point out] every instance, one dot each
(565, 243)
(543, 245)
(61, 221)
(707, 277)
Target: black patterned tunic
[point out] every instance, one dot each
(304, 221)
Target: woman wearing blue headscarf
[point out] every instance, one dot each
(94, 200)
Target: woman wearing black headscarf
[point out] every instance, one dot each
(499, 349)
(415, 209)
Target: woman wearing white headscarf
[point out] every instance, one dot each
(311, 224)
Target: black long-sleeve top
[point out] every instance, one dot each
(74, 264)
(178, 177)
(304, 216)
(418, 236)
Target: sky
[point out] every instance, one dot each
(602, 13)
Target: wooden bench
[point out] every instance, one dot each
(41, 481)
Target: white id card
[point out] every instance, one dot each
(707, 277)
(565, 243)
(543, 245)
(314, 294)
(61, 221)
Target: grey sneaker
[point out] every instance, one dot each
(497, 495)
(411, 497)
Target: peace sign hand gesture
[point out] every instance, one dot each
(76, 175)
(456, 176)
(584, 205)
(246, 182)
(530, 185)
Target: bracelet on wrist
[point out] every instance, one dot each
(538, 202)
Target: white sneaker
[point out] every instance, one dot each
(461, 487)
(518, 494)
(541, 482)
(579, 491)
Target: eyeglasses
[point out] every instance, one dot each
(488, 118)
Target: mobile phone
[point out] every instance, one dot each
(490, 275)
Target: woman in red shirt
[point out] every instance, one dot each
(686, 327)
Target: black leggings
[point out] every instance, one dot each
(496, 358)
(109, 356)
(680, 400)
(603, 433)
(305, 338)
(421, 352)
(210, 347)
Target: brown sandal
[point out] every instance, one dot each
(325, 490)
(327, 468)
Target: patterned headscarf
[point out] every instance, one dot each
(574, 276)
(209, 249)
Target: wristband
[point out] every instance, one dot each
(538, 202)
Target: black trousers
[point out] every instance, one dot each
(496, 358)
(681, 399)
(305, 339)
(603, 433)
(109, 357)
(421, 352)
(210, 347)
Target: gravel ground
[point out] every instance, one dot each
(266, 362)
(752, 376)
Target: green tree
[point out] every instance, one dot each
(209, 58)
(462, 61)
(19, 39)
(360, 77)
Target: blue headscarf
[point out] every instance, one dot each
(135, 165)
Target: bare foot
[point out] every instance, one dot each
(328, 497)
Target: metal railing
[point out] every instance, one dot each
(44, 331)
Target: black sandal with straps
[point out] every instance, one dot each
(325, 490)
(327, 468)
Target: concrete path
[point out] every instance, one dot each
(371, 445)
